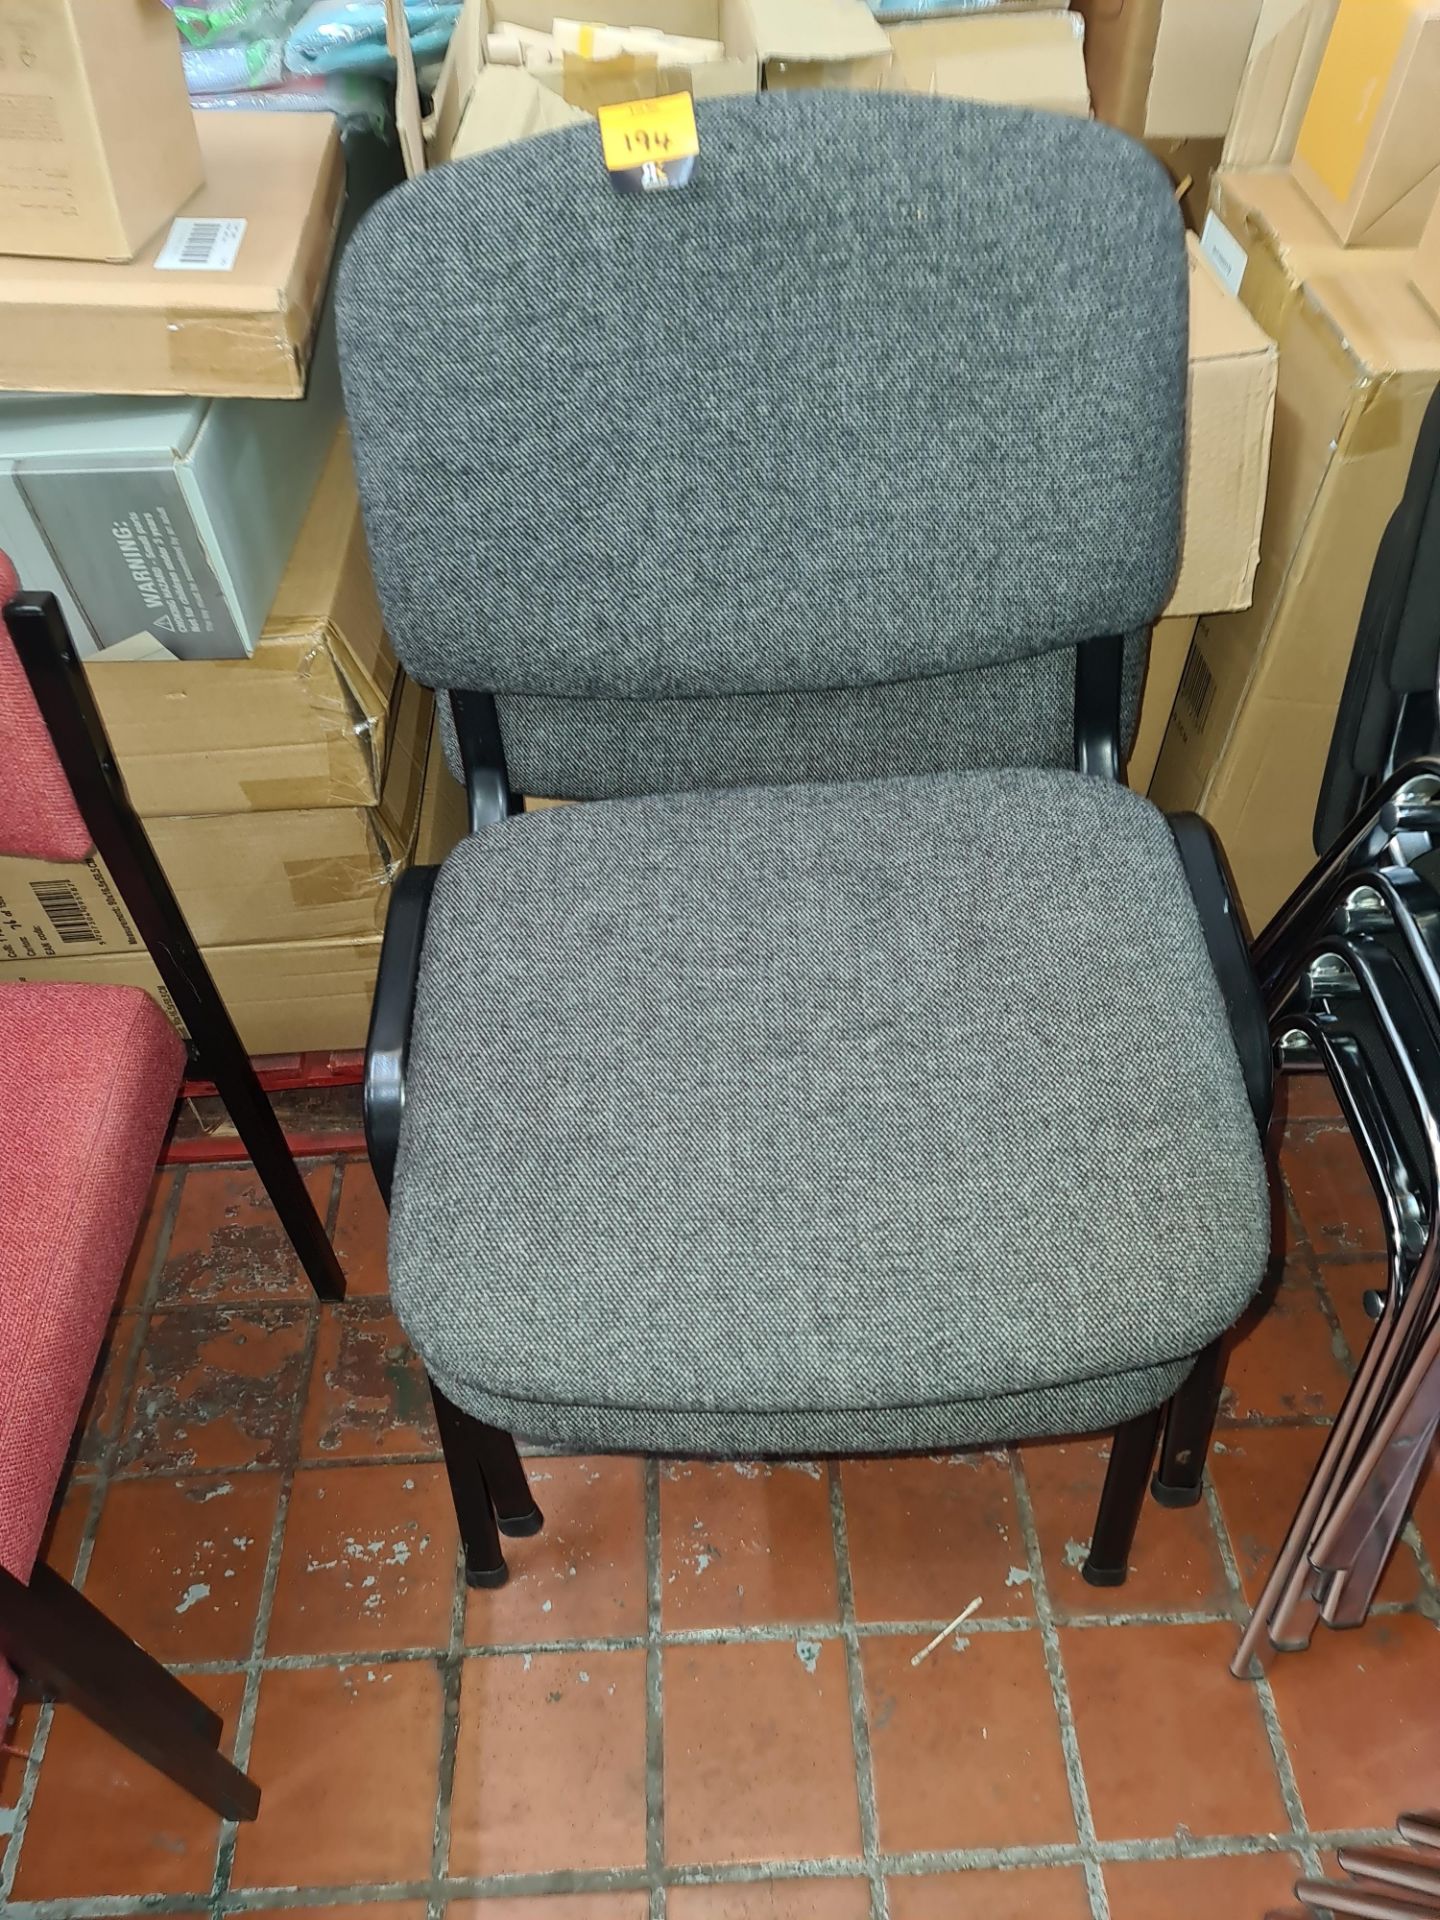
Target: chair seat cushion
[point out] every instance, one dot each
(87, 1088)
(898, 1113)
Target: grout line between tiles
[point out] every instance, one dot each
(249, 1704)
(719, 1636)
(1064, 1711)
(654, 1699)
(859, 1714)
(451, 1673)
(1181, 1846)
(1264, 1694)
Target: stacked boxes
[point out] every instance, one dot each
(1359, 358)
(283, 795)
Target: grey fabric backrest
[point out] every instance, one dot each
(1020, 714)
(894, 389)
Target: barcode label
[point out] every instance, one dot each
(201, 246)
(1197, 688)
(60, 902)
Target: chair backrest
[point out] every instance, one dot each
(892, 392)
(1389, 710)
(39, 819)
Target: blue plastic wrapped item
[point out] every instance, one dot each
(230, 69)
(229, 22)
(358, 101)
(348, 36)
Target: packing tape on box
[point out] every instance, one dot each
(331, 882)
(351, 779)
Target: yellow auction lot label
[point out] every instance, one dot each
(641, 133)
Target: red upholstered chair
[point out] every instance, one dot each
(88, 1081)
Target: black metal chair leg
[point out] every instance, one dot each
(1131, 1454)
(66, 1647)
(479, 1535)
(68, 707)
(516, 1513)
(1188, 1427)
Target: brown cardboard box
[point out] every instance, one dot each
(319, 874)
(1267, 242)
(1029, 57)
(97, 141)
(1167, 69)
(76, 327)
(444, 814)
(304, 722)
(1251, 727)
(1425, 271)
(285, 996)
(1027, 53)
(1285, 54)
(1368, 148)
(1169, 650)
(477, 107)
(1227, 453)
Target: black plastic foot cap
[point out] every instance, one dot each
(1094, 1576)
(486, 1576)
(522, 1525)
(1174, 1496)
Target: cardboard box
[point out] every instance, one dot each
(168, 519)
(1251, 726)
(1026, 53)
(1285, 54)
(1425, 268)
(478, 107)
(1266, 241)
(1169, 650)
(305, 722)
(284, 996)
(315, 875)
(1024, 57)
(241, 326)
(1227, 448)
(444, 810)
(1368, 149)
(97, 140)
(1167, 69)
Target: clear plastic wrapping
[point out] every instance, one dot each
(348, 36)
(357, 100)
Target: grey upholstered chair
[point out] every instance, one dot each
(885, 1075)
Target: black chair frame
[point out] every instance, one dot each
(487, 1478)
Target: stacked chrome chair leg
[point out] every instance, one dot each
(1384, 1883)
(1351, 975)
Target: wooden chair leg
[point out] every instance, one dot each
(1131, 1454)
(64, 1645)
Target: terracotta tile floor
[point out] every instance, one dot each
(695, 1698)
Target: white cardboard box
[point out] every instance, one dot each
(1227, 454)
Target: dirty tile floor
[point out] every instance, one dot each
(696, 1698)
